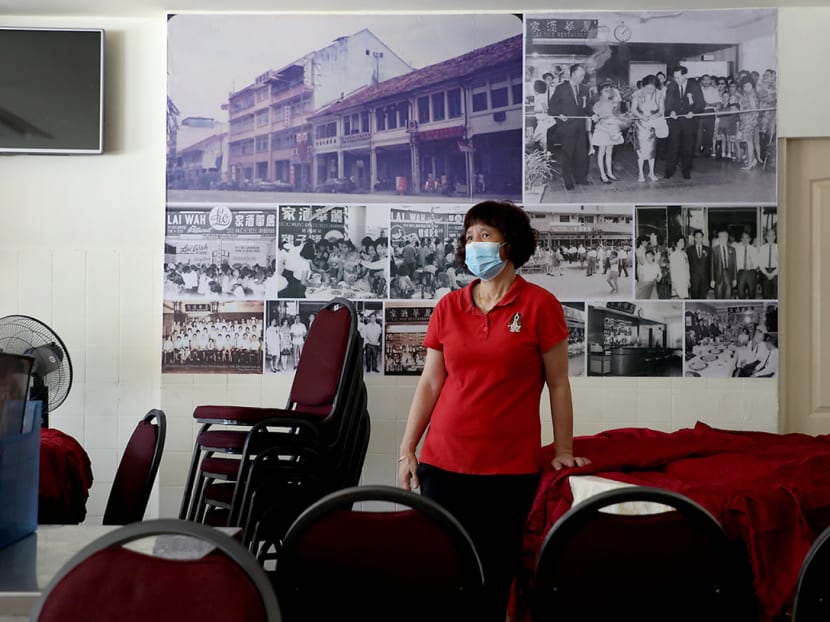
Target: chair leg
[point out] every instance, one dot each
(187, 501)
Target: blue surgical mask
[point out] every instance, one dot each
(483, 259)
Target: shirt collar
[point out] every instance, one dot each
(515, 289)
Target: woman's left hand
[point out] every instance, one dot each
(568, 461)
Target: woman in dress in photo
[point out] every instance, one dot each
(679, 269)
(749, 125)
(613, 272)
(608, 131)
(648, 110)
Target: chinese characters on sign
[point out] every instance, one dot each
(563, 28)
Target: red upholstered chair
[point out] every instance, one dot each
(326, 411)
(106, 581)
(812, 596)
(137, 471)
(675, 565)
(415, 563)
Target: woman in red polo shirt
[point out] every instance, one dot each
(491, 347)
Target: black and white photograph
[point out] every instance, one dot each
(698, 252)
(327, 251)
(575, 320)
(583, 252)
(731, 339)
(424, 240)
(287, 325)
(344, 107)
(650, 106)
(635, 339)
(220, 252)
(215, 337)
(405, 330)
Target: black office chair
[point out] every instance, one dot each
(812, 596)
(413, 564)
(137, 471)
(106, 581)
(675, 565)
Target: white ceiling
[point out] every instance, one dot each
(149, 8)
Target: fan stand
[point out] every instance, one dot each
(40, 392)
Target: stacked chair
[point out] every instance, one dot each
(259, 468)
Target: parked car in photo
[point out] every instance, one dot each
(267, 185)
(339, 184)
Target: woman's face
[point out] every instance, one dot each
(680, 244)
(747, 87)
(733, 88)
(650, 88)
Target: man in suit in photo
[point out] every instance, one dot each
(571, 99)
(699, 267)
(724, 267)
(684, 98)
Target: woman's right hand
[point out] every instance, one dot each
(408, 471)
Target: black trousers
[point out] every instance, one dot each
(574, 150)
(681, 145)
(770, 287)
(746, 283)
(493, 509)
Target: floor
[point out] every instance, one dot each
(712, 181)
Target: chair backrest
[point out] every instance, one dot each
(414, 564)
(675, 565)
(330, 353)
(105, 581)
(812, 596)
(137, 471)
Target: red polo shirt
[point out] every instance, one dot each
(486, 419)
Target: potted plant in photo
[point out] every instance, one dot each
(538, 172)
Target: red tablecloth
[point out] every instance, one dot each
(770, 491)
(65, 479)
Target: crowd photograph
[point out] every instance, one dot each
(731, 340)
(675, 104)
(287, 325)
(635, 339)
(212, 337)
(424, 242)
(583, 251)
(698, 253)
(327, 251)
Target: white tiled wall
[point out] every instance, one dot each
(599, 404)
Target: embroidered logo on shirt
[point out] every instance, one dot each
(515, 325)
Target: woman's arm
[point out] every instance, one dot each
(426, 394)
(555, 361)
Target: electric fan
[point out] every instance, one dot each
(52, 371)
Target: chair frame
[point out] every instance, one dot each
(569, 524)
(171, 526)
(820, 547)
(301, 424)
(347, 497)
(146, 489)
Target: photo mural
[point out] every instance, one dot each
(316, 156)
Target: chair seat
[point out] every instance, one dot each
(250, 415)
(219, 494)
(220, 468)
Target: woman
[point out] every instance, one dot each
(648, 110)
(490, 347)
(767, 98)
(285, 343)
(749, 124)
(608, 131)
(272, 345)
(679, 269)
(298, 333)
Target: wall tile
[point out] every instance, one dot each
(384, 436)
(35, 284)
(103, 308)
(100, 432)
(174, 467)
(9, 282)
(170, 498)
(380, 469)
(104, 463)
(102, 399)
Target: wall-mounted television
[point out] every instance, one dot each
(51, 90)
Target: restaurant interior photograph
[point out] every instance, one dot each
(241, 242)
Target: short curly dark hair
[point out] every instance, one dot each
(511, 221)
